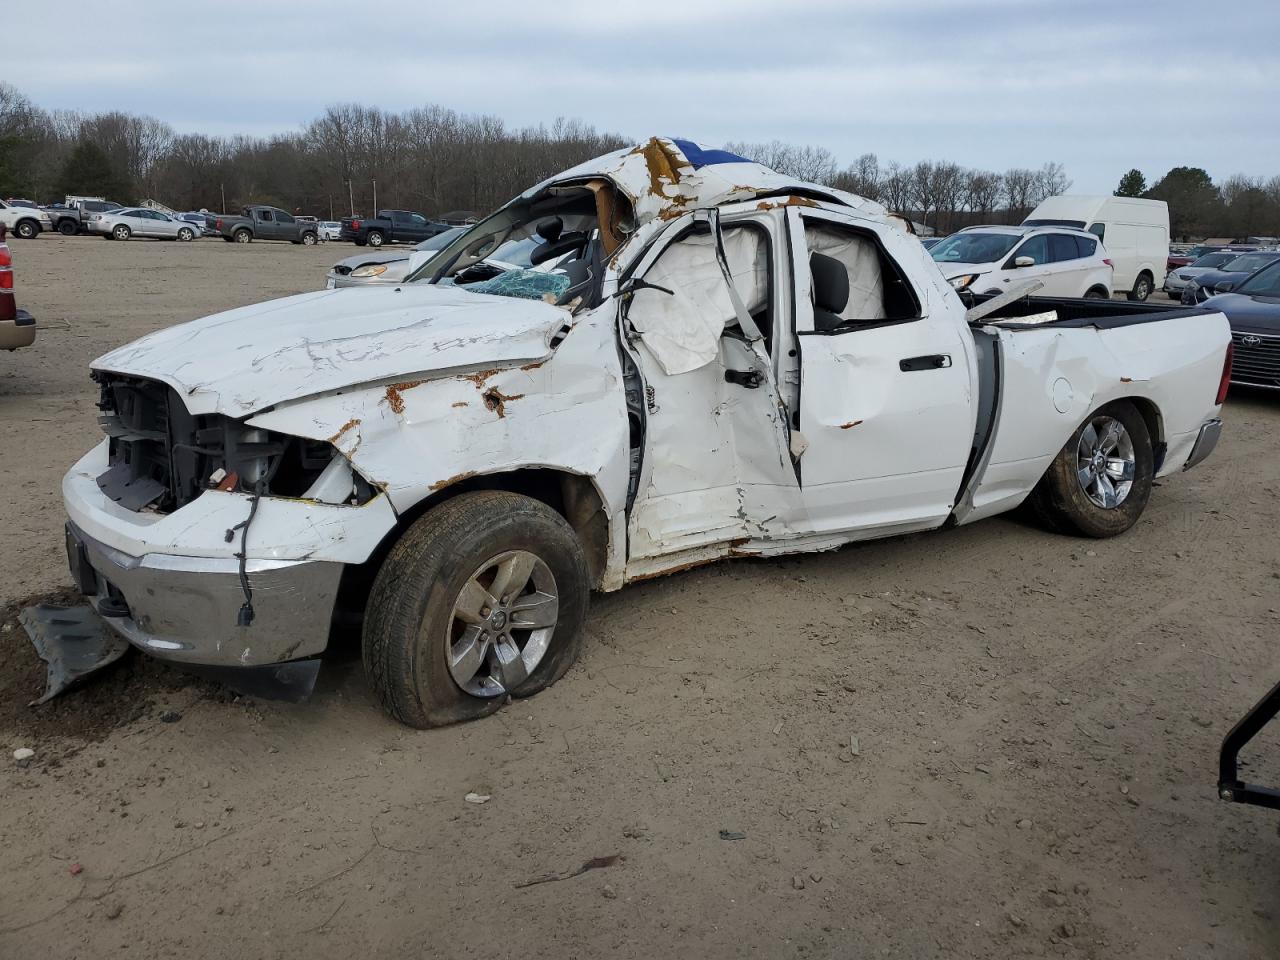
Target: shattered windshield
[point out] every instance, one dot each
(974, 247)
(534, 250)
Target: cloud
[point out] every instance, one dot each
(1095, 85)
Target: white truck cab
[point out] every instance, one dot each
(722, 362)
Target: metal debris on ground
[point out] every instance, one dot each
(72, 641)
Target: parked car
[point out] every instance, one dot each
(389, 267)
(75, 216)
(389, 226)
(258, 222)
(1071, 263)
(1230, 274)
(930, 242)
(330, 229)
(1253, 310)
(197, 220)
(1176, 280)
(17, 327)
(141, 222)
(1134, 231)
(19, 202)
(460, 462)
(24, 222)
(1191, 253)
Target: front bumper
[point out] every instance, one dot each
(1210, 431)
(175, 578)
(18, 332)
(185, 608)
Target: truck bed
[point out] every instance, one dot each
(1074, 313)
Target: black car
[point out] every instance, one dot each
(1253, 309)
(1235, 272)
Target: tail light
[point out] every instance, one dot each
(355, 224)
(1107, 262)
(1225, 383)
(217, 224)
(8, 305)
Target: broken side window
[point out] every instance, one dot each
(878, 291)
(685, 309)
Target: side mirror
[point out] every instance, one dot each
(1226, 286)
(1025, 262)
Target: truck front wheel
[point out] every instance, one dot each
(1100, 481)
(484, 596)
(67, 228)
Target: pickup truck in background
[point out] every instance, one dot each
(389, 226)
(23, 221)
(75, 216)
(704, 359)
(259, 222)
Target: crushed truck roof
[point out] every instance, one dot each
(666, 177)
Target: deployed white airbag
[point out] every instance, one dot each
(682, 329)
(862, 260)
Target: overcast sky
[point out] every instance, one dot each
(1099, 85)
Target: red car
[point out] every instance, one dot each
(17, 327)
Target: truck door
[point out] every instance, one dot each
(886, 411)
(264, 224)
(418, 228)
(716, 471)
(286, 226)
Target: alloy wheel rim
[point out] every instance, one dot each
(501, 624)
(1105, 462)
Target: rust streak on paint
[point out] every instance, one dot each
(460, 403)
(1126, 379)
(662, 162)
(850, 424)
(496, 400)
(678, 568)
(394, 400)
(533, 366)
(480, 376)
(353, 422)
(450, 481)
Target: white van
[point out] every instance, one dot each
(1135, 233)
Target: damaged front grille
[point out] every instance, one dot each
(161, 457)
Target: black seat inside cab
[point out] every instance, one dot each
(555, 242)
(830, 291)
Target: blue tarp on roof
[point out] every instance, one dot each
(702, 157)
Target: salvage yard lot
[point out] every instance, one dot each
(993, 742)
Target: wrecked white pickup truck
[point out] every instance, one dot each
(706, 359)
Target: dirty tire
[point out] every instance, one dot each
(375, 238)
(411, 605)
(27, 229)
(1141, 287)
(67, 228)
(1061, 504)
(242, 236)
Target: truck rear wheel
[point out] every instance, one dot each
(308, 239)
(485, 596)
(375, 238)
(1100, 481)
(242, 236)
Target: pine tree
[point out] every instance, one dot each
(1132, 184)
(88, 171)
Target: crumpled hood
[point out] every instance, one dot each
(243, 361)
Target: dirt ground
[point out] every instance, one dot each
(991, 742)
